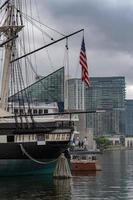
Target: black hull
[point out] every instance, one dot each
(14, 162)
(32, 150)
(51, 150)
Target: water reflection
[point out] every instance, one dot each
(86, 173)
(114, 182)
(26, 187)
(63, 188)
(35, 187)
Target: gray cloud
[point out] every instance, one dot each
(108, 28)
(108, 32)
(113, 23)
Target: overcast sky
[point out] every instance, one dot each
(108, 28)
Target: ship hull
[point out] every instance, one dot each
(51, 150)
(32, 150)
(35, 159)
(21, 167)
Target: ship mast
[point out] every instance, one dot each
(10, 29)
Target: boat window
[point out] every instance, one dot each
(75, 157)
(41, 137)
(10, 138)
(65, 124)
(29, 137)
(63, 136)
(29, 111)
(33, 137)
(53, 136)
(16, 138)
(19, 137)
(93, 157)
(40, 111)
(78, 157)
(58, 136)
(35, 111)
(21, 111)
(45, 111)
(83, 157)
(47, 136)
(68, 136)
(59, 124)
(16, 110)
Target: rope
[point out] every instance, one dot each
(33, 159)
(38, 21)
(62, 168)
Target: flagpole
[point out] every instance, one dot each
(67, 65)
(84, 76)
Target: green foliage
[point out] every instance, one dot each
(102, 142)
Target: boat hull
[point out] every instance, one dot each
(81, 166)
(23, 167)
(37, 159)
(51, 150)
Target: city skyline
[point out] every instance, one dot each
(108, 26)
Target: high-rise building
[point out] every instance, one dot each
(75, 95)
(106, 94)
(129, 118)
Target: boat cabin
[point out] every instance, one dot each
(83, 157)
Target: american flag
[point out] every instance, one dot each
(83, 62)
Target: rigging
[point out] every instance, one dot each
(39, 49)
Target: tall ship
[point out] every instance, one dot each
(30, 143)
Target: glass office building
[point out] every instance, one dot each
(75, 94)
(47, 89)
(107, 94)
(129, 117)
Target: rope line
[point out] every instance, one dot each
(33, 159)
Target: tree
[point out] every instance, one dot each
(102, 142)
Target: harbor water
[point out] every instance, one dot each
(114, 182)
